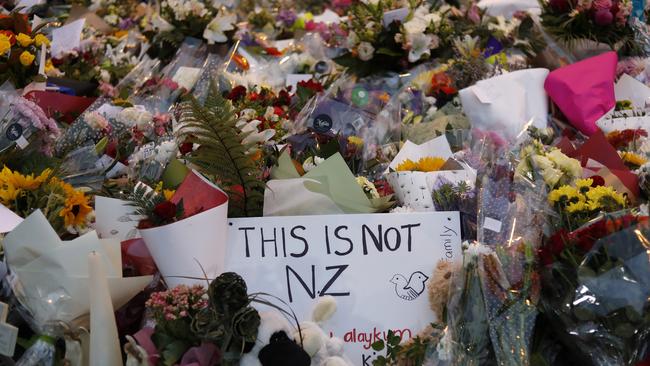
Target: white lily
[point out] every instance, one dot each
(420, 46)
(215, 30)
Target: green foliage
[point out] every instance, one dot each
(144, 200)
(412, 353)
(221, 154)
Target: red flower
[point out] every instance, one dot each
(441, 82)
(284, 98)
(278, 111)
(145, 224)
(597, 181)
(237, 93)
(253, 97)
(553, 247)
(312, 85)
(185, 148)
(272, 51)
(165, 210)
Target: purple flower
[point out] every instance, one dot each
(126, 23)
(603, 17)
(287, 17)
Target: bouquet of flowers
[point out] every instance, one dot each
(19, 45)
(66, 208)
(601, 21)
(593, 296)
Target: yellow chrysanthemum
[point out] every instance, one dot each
(407, 165)
(76, 208)
(633, 159)
(430, 164)
(24, 40)
(26, 58)
(564, 193)
(19, 181)
(5, 45)
(602, 194)
(40, 39)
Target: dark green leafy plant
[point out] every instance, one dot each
(221, 154)
(228, 321)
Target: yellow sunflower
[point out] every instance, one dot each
(407, 165)
(76, 208)
(8, 194)
(583, 185)
(19, 181)
(430, 164)
(602, 194)
(564, 193)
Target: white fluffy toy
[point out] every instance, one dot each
(322, 349)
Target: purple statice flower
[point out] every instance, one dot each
(440, 182)
(126, 23)
(287, 17)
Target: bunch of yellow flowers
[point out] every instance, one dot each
(65, 207)
(427, 164)
(578, 204)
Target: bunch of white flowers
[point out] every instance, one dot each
(183, 9)
(136, 117)
(552, 165)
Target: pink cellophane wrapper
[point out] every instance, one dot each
(584, 91)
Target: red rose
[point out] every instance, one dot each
(165, 210)
(185, 148)
(237, 93)
(598, 181)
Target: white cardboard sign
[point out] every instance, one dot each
(377, 266)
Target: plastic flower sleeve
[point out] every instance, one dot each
(467, 342)
(600, 306)
(351, 108)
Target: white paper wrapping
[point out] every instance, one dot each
(506, 103)
(193, 247)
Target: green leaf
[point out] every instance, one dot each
(388, 52)
(378, 345)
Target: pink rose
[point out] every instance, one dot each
(603, 17)
(602, 4)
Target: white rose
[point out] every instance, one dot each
(366, 51)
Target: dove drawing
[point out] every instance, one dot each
(411, 289)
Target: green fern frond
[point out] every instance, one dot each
(144, 200)
(221, 154)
